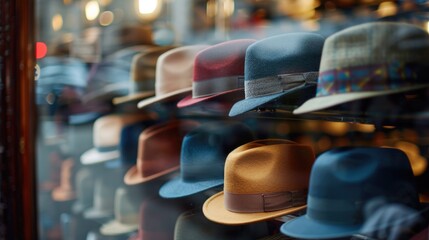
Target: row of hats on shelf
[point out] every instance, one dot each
(359, 62)
(263, 179)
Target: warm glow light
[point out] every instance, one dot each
(387, 9)
(228, 7)
(427, 26)
(106, 18)
(92, 9)
(105, 2)
(147, 6)
(149, 9)
(57, 22)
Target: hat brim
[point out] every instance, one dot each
(93, 213)
(249, 104)
(132, 97)
(177, 188)
(189, 100)
(114, 227)
(133, 177)
(304, 227)
(107, 92)
(214, 209)
(61, 195)
(92, 156)
(320, 103)
(175, 95)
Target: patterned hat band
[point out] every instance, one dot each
(277, 84)
(387, 76)
(216, 85)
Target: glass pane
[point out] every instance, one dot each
(222, 119)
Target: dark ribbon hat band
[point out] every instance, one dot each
(252, 203)
(277, 84)
(107, 149)
(216, 85)
(139, 86)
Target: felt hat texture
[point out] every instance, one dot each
(106, 137)
(264, 179)
(174, 71)
(126, 209)
(343, 180)
(192, 225)
(280, 66)
(141, 83)
(218, 70)
(203, 155)
(369, 60)
(110, 77)
(158, 151)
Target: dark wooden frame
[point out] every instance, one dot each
(18, 208)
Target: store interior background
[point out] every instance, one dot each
(92, 30)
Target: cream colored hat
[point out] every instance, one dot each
(106, 135)
(174, 71)
(264, 179)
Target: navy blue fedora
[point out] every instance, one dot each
(203, 154)
(343, 181)
(277, 66)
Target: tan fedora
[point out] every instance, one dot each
(142, 77)
(106, 136)
(158, 151)
(126, 211)
(174, 71)
(264, 179)
(65, 191)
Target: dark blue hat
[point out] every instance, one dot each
(203, 155)
(278, 66)
(342, 181)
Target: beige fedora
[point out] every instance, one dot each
(126, 212)
(106, 136)
(174, 71)
(264, 179)
(142, 77)
(370, 60)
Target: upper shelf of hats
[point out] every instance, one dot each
(372, 72)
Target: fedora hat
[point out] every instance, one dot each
(84, 182)
(343, 180)
(126, 211)
(105, 185)
(109, 78)
(157, 219)
(264, 179)
(173, 74)
(65, 191)
(369, 60)
(192, 225)
(218, 70)
(141, 83)
(106, 136)
(202, 159)
(279, 66)
(158, 151)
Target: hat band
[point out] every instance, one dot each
(107, 149)
(264, 202)
(277, 84)
(216, 85)
(378, 77)
(129, 219)
(140, 86)
(334, 210)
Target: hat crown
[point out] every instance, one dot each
(128, 143)
(344, 179)
(268, 166)
(175, 69)
(283, 54)
(126, 210)
(204, 150)
(159, 146)
(373, 57)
